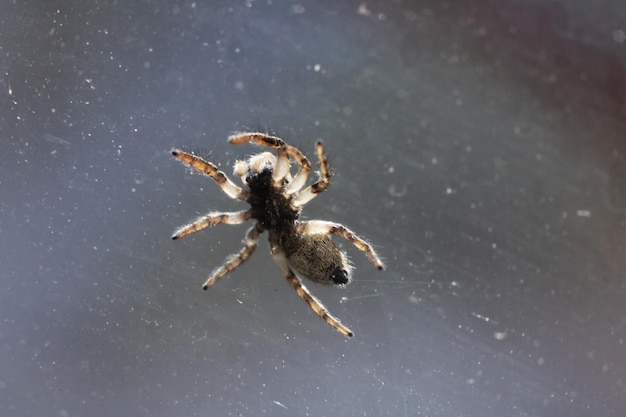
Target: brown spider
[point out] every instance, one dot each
(276, 199)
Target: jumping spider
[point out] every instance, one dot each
(276, 199)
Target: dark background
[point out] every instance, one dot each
(480, 145)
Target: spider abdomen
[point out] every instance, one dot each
(317, 258)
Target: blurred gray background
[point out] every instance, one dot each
(480, 145)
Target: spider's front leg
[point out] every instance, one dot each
(212, 171)
(281, 169)
(319, 309)
(212, 219)
(252, 238)
(309, 193)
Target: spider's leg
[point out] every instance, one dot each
(305, 168)
(252, 238)
(212, 219)
(303, 292)
(282, 168)
(304, 196)
(212, 171)
(258, 138)
(325, 227)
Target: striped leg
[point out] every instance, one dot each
(212, 171)
(309, 193)
(252, 238)
(303, 292)
(212, 219)
(301, 176)
(261, 139)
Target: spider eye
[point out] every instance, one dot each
(340, 276)
(265, 172)
(259, 178)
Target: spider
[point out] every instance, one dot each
(276, 198)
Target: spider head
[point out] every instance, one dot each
(257, 166)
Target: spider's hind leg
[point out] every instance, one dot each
(319, 309)
(252, 238)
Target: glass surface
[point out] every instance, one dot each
(478, 145)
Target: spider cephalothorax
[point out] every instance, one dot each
(276, 199)
(269, 205)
